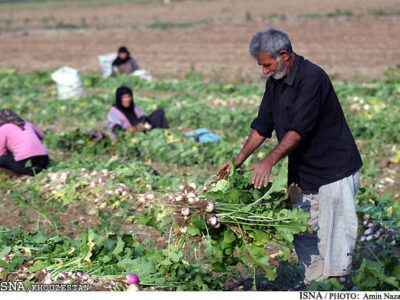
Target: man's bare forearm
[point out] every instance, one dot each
(289, 142)
(253, 141)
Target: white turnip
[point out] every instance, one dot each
(369, 231)
(218, 225)
(191, 195)
(150, 197)
(185, 211)
(213, 220)
(210, 206)
(133, 288)
(48, 280)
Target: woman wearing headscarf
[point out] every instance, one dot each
(21, 149)
(126, 115)
(124, 63)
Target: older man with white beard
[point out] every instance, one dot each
(299, 103)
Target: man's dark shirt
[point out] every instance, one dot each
(305, 102)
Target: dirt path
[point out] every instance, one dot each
(348, 41)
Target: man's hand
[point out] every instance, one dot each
(224, 170)
(262, 171)
(253, 141)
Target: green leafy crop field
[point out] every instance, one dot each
(141, 205)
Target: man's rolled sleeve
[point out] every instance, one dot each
(306, 109)
(264, 122)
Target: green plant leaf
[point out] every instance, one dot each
(193, 231)
(198, 222)
(229, 236)
(218, 267)
(119, 248)
(5, 251)
(260, 237)
(39, 265)
(140, 266)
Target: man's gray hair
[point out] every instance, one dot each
(271, 42)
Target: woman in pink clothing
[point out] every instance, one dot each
(21, 149)
(126, 115)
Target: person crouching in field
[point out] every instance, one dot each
(21, 150)
(124, 63)
(126, 115)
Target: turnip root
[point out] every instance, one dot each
(210, 206)
(185, 211)
(150, 197)
(369, 231)
(213, 220)
(132, 278)
(133, 288)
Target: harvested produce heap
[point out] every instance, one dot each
(238, 219)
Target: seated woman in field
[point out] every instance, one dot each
(21, 149)
(126, 115)
(124, 63)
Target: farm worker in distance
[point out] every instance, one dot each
(126, 115)
(299, 103)
(21, 150)
(124, 63)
